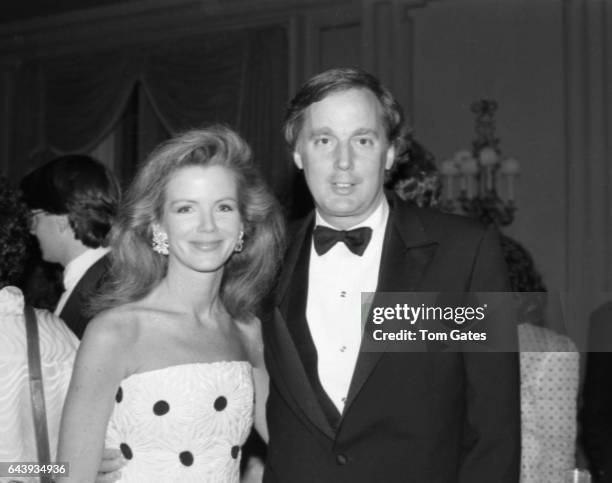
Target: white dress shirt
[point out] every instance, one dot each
(74, 271)
(333, 310)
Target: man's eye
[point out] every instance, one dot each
(322, 141)
(365, 141)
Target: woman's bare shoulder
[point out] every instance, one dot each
(118, 325)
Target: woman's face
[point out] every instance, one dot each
(201, 217)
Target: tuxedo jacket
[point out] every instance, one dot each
(596, 413)
(409, 417)
(74, 312)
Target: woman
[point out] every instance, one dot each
(166, 372)
(414, 176)
(57, 345)
(549, 377)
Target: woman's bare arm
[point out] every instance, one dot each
(100, 366)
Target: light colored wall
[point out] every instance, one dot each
(548, 63)
(511, 52)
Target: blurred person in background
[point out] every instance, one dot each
(549, 377)
(73, 201)
(18, 442)
(414, 176)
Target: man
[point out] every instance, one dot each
(338, 414)
(72, 201)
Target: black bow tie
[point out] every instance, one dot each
(356, 240)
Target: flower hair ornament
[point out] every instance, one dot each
(240, 243)
(160, 241)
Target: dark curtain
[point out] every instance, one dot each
(239, 78)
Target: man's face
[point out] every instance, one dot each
(48, 230)
(344, 151)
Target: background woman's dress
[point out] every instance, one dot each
(549, 391)
(183, 423)
(58, 347)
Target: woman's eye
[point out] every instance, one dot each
(184, 209)
(226, 208)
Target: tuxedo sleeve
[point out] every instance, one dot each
(491, 439)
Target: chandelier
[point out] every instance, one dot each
(480, 183)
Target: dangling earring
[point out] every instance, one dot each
(240, 243)
(160, 241)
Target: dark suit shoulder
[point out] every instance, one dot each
(438, 225)
(297, 226)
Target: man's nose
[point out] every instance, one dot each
(344, 157)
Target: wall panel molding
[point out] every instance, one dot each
(588, 117)
(134, 22)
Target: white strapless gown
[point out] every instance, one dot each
(183, 423)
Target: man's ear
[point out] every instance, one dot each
(63, 223)
(297, 159)
(390, 157)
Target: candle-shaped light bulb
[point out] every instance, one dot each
(469, 170)
(449, 170)
(510, 169)
(488, 158)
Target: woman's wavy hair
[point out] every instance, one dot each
(248, 276)
(15, 241)
(414, 176)
(525, 281)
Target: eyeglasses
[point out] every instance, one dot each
(33, 218)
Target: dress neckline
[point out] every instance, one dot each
(187, 364)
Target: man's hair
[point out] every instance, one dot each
(248, 276)
(78, 186)
(14, 235)
(336, 80)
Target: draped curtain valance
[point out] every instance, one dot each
(71, 103)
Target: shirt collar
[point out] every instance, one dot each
(377, 220)
(76, 268)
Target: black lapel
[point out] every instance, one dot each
(407, 252)
(290, 342)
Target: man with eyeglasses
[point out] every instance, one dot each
(73, 200)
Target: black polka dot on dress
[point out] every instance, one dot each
(161, 407)
(220, 403)
(186, 458)
(126, 451)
